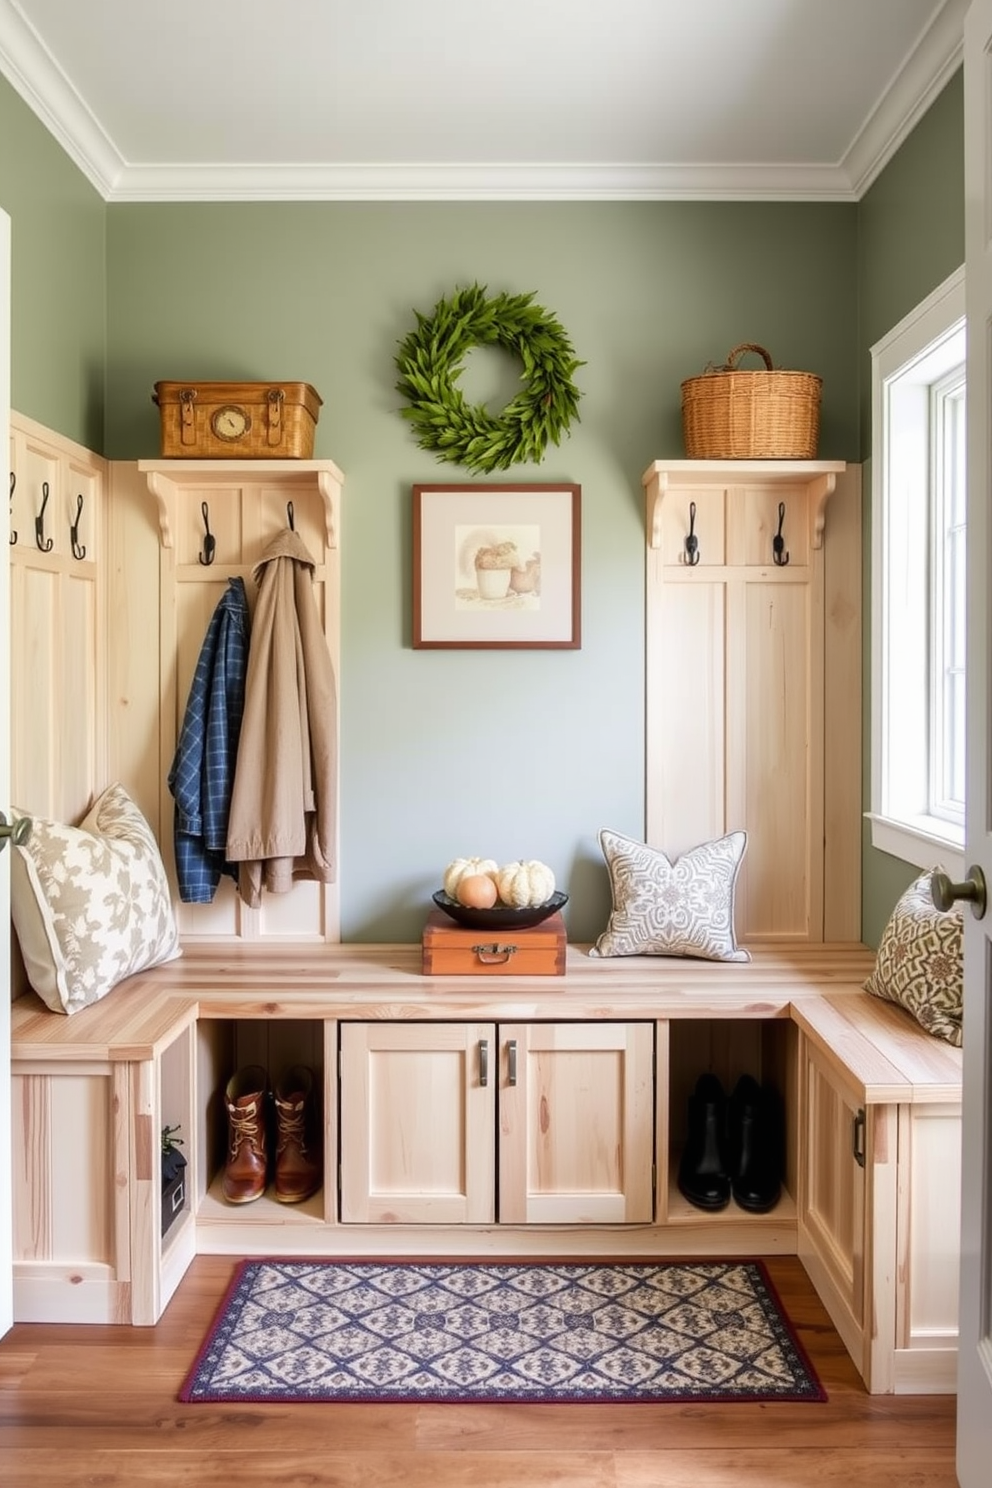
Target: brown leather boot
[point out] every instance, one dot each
(246, 1169)
(298, 1165)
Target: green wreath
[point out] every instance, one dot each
(429, 361)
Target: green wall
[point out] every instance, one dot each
(58, 278)
(503, 754)
(910, 238)
(508, 754)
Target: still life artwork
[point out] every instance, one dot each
(496, 566)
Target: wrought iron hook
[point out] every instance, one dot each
(778, 541)
(209, 541)
(77, 551)
(13, 487)
(692, 541)
(39, 522)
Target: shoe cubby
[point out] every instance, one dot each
(763, 1048)
(226, 1046)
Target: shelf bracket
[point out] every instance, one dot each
(657, 490)
(163, 489)
(818, 493)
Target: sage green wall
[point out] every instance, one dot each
(58, 278)
(910, 238)
(506, 754)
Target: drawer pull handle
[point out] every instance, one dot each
(858, 1138)
(494, 954)
(483, 1061)
(511, 1056)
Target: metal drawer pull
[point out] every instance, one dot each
(483, 1061)
(494, 954)
(858, 1138)
(511, 1055)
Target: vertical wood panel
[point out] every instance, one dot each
(842, 773)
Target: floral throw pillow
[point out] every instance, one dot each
(91, 904)
(663, 907)
(920, 962)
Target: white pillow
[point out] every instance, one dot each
(91, 904)
(666, 908)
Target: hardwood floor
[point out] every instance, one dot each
(97, 1405)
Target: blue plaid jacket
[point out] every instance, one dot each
(202, 773)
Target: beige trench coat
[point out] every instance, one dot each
(283, 819)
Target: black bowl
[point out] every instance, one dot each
(501, 916)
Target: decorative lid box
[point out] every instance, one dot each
(237, 420)
(453, 950)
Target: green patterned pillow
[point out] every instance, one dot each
(920, 962)
(665, 907)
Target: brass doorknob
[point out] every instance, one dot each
(973, 891)
(18, 831)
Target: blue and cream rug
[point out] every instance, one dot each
(307, 1330)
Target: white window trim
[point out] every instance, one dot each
(923, 840)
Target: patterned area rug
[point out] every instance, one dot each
(450, 1331)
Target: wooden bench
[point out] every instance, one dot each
(608, 1054)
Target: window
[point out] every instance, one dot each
(918, 583)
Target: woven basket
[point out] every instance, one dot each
(769, 415)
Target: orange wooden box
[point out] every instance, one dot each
(452, 950)
(237, 420)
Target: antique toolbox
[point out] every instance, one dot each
(237, 420)
(453, 950)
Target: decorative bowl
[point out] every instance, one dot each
(501, 916)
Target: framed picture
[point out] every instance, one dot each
(496, 566)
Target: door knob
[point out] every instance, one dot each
(973, 890)
(18, 831)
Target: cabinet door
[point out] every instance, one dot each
(576, 1123)
(418, 1123)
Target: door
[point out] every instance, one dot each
(576, 1123)
(975, 1357)
(6, 1219)
(418, 1123)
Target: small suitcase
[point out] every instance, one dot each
(453, 950)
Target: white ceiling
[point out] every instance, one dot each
(457, 99)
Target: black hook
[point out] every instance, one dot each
(290, 516)
(778, 541)
(77, 551)
(692, 541)
(39, 522)
(209, 541)
(13, 487)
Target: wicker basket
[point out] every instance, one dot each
(237, 420)
(769, 415)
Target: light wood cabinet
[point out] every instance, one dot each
(421, 1104)
(753, 690)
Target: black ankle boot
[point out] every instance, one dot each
(703, 1176)
(755, 1145)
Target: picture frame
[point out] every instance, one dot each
(497, 566)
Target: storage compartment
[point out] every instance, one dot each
(453, 950)
(237, 420)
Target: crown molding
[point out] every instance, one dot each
(929, 67)
(33, 73)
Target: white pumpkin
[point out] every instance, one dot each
(525, 883)
(461, 868)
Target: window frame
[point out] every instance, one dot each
(903, 377)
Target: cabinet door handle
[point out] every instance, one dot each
(511, 1056)
(858, 1138)
(483, 1061)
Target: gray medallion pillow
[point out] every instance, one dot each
(920, 962)
(663, 907)
(91, 904)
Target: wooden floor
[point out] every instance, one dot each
(91, 1405)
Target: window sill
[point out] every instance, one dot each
(925, 842)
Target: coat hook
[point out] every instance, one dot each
(692, 541)
(13, 487)
(209, 541)
(39, 522)
(77, 551)
(290, 516)
(778, 541)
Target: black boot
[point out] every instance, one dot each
(703, 1176)
(755, 1145)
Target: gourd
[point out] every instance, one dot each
(527, 882)
(460, 868)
